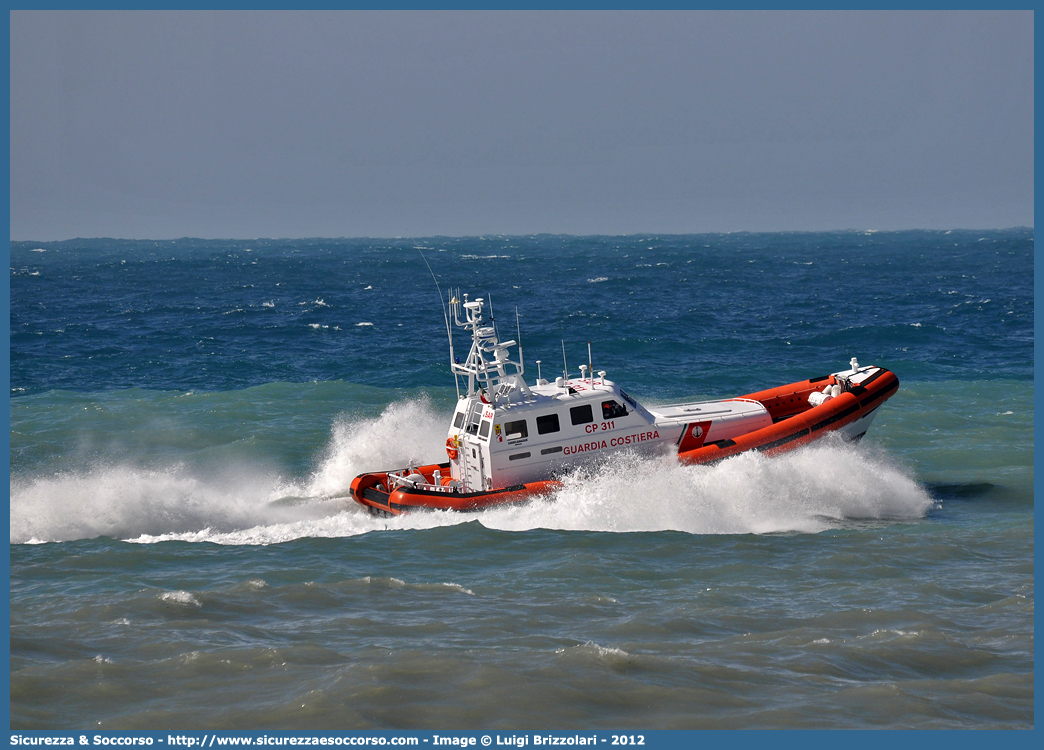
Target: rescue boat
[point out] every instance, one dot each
(509, 441)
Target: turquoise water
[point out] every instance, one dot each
(186, 417)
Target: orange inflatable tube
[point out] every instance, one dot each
(365, 490)
(795, 422)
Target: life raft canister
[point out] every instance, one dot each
(451, 448)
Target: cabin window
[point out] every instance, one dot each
(484, 429)
(516, 430)
(458, 420)
(556, 449)
(612, 410)
(516, 456)
(629, 400)
(547, 423)
(581, 414)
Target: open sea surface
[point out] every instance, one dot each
(186, 417)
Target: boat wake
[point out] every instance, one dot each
(822, 486)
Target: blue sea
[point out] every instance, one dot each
(187, 415)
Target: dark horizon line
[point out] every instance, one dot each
(487, 235)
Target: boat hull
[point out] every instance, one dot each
(795, 423)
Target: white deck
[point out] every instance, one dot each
(698, 411)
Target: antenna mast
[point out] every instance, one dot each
(445, 317)
(518, 330)
(492, 317)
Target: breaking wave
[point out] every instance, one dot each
(819, 487)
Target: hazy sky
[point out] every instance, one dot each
(306, 124)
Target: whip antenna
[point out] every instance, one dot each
(518, 330)
(492, 317)
(445, 317)
(565, 367)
